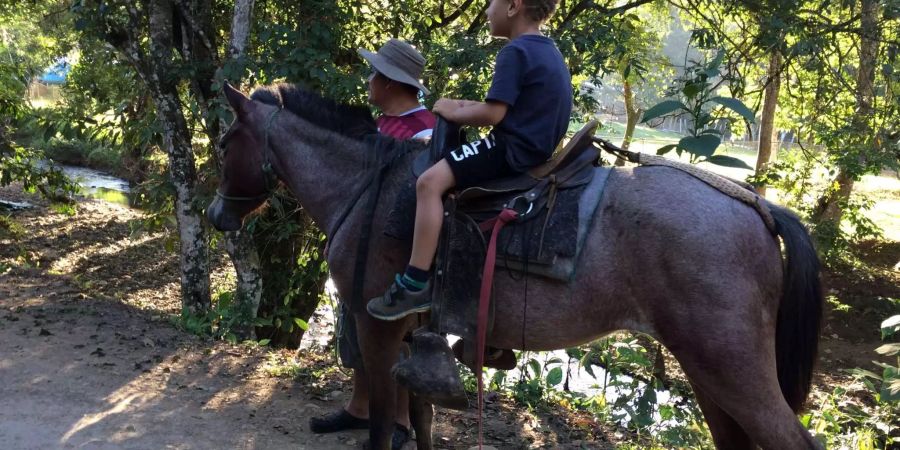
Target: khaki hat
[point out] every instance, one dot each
(398, 61)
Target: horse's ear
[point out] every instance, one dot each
(239, 102)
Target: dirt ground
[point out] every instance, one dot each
(90, 356)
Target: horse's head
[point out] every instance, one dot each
(247, 177)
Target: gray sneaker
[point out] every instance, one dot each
(398, 302)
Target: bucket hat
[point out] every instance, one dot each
(398, 61)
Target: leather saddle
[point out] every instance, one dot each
(527, 193)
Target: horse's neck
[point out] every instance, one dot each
(321, 168)
(325, 170)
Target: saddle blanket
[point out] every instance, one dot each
(462, 252)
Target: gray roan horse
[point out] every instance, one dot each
(667, 256)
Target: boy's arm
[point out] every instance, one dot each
(468, 112)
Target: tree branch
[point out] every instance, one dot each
(444, 21)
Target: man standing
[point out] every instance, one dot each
(394, 87)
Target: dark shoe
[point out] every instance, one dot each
(431, 372)
(398, 302)
(337, 421)
(495, 358)
(400, 437)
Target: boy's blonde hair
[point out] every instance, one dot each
(539, 10)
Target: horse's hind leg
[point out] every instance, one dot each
(726, 433)
(421, 414)
(738, 378)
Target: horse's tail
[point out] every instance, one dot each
(800, 310)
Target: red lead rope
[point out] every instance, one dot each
(484, 301)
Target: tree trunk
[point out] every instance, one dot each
(198, 45)
(767, 122)
(632, 115)
(240, 28)
(240, 245)
(831, 206)
(182, 172)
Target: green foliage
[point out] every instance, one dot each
(696, 89)
(864, 416)
(223, 320)
(293, 269)
(628, 393)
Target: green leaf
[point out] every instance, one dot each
(301, 323)
(703, 145)
(662, 108)
(535, 367)
(690, 90)
(666, 149)
(264, 341)
(736, 106)
(728, 161)
(555, 376)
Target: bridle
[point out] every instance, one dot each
(269, 174)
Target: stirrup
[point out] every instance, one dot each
(431, 372)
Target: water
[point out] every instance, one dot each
(95, 184)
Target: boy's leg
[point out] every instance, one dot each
(430, 189)
(408, 294)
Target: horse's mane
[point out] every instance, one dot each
(352, 121)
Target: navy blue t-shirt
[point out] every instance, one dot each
(531, 77)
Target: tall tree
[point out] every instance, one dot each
(767, 135)
(177, 144)
(831, 205)
(128, 27)
(239, 244)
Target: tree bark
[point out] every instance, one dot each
(240, 28)
(632, 115)
(831, 205)
(240, 245)
(767, 122)
(182, 172)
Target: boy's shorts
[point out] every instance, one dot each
(479, 161)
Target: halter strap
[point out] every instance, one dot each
(268, 172)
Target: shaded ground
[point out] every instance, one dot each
(90, 357)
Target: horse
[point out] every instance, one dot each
(666, 255)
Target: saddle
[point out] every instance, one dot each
(550, 225)
(568, 168)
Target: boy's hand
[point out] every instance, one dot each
(445, 107)
(469, 112)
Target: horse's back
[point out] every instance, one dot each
(663, 246)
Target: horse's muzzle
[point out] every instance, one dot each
(220, 219)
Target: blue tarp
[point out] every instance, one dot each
(56, 74)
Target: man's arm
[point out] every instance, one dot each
(468, 112)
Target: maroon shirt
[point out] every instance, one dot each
(408, 125)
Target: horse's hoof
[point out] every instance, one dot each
(431, 372)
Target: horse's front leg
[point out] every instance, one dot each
(380, 342)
